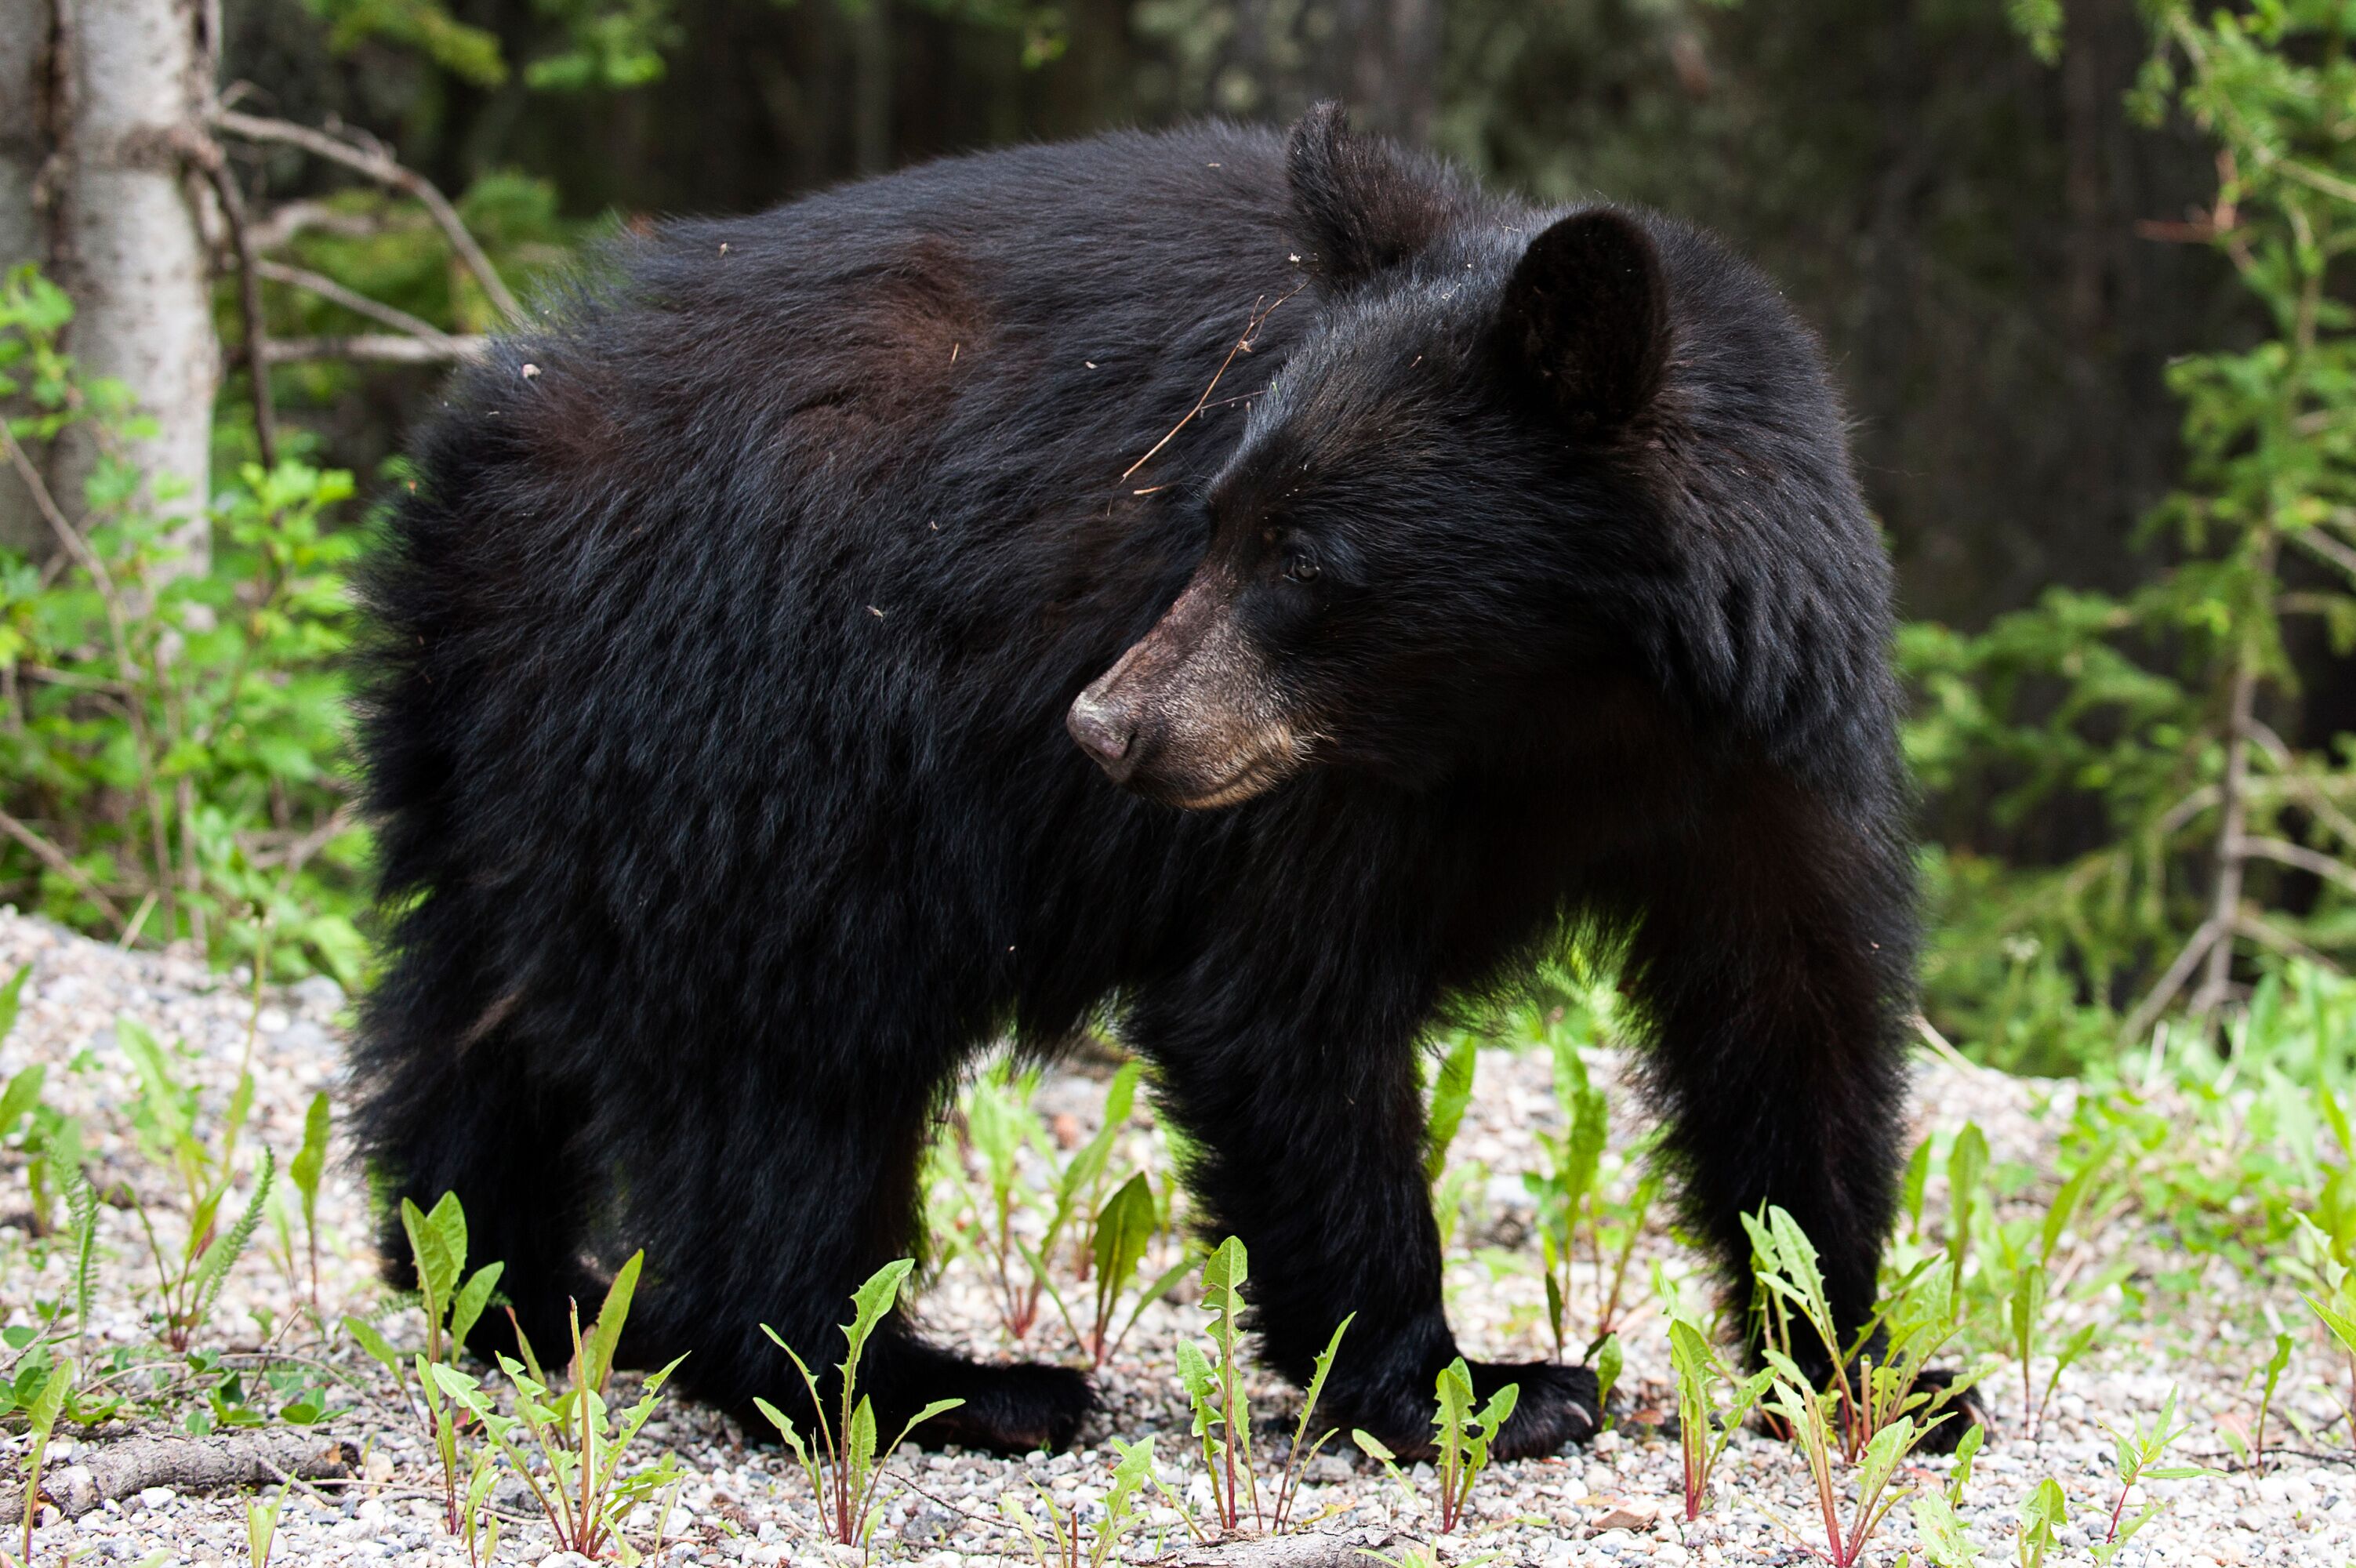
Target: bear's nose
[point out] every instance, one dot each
(1104, 733)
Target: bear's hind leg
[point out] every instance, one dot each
(439, 1116)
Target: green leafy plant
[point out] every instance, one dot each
(41, 1412)
(1805, 1413)
(261, 1528)
(175, 729)
(2042, 1514)
(1123, 1235)
(1939, 1530)
(2138, 1453)
(1462, 1436)
(1911, 1323)
(2254, 1453)
(1304, 1448)
(1574, 1159)
(1451, 1095)
(578, 1443)
(190, 1275)
(1214, 1384)
(841, 1461)
(1703, 1429)
(1070, 1543)
(453, 1302)
(309, 1164)
(2164, 711)
(997, 1129)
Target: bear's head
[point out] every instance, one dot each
(1457, 506)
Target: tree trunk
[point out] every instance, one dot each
(26, 143)
(117, 90)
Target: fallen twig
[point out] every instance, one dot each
(118, 1470)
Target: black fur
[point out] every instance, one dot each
(717, 741)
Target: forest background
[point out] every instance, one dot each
(2079, 267)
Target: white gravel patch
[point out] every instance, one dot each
(1618, 1502)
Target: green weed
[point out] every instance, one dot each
(1214, 1384)
(1070, 1543)
(1461, 1436)
(1704, 1428)
(841, 1461)
(578, 1443)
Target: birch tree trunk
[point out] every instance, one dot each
(25, 147)
(117, 93)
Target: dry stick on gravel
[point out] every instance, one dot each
(381, 167)
(1283, 1552)
(188, 1464)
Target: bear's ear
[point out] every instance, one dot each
(1362, 205)
(1586, 318)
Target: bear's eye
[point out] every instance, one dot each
(1300, 568)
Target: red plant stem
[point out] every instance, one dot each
(2117, 1509)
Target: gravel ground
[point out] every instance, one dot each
(1617, 1502)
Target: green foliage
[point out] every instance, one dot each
(2042, 1515)
(1069, 1543)
(2164, 709)
(452, 1299)
(204, 1163)
(172, 738)
(1003, 1194)
(1304, 1448)
(2137, 1451)
(578, 1443)
(1215, 1388)
(1461, 1436)
(842, 1463)
(1704, 1427)
(1449, 1097)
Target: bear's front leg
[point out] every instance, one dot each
(1311, 1144)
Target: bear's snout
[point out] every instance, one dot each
(1106, 732)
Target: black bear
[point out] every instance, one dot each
(1270, 588)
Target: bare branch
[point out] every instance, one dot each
(57, 859)
(380, 346)
(2301, 858)
(358, 304)
(249, 299)
(2281, 941)
(2155, 1001)
(381, 169)
(279, 226)
(2324, 547)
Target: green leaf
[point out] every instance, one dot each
(472, 1299)
(869, 1303)
(24, 1093)
(311, 1160)
(597, 1345)
(364, 1334)
(1609, 1360)
(11, 996)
